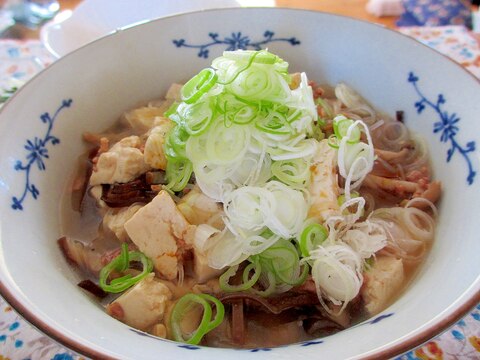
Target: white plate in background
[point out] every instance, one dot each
(93, 19)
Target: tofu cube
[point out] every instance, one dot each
(202, 271)
(115, 219)
(154, 146)
(143, 305)
(122, 163)
(383, 281)
(144, 118)
(198, 209)
(161, 232)
(323, 186)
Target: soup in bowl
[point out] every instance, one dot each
(280, 201)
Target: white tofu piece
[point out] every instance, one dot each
(115, 219)
(198, 209)
(122, 163)
(161, 232)
(383, 280)
(173, 92)
(144, 118)
(323, 186)
(202, 271)
(143, 305)
(160, 330)
(154, 146)
(96, 193)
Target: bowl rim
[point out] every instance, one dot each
(395, 350)
(411, 342)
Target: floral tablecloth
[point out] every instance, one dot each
(20, 341)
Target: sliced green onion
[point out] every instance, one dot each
(337, 273)
(283, 261)
(171, 111)
(219, 118)
(260, 57)
(176, 143)
(333, 141)
(120, 264)
(243, 115)
(318, 133)
(178, 174)
(341, 125)
(325, 106)
(184, 305)
(241, 70)
(291, 116)
(295, 281)
(198, 85)
(295, 173)
(341, 200)
(268, 278)
(248, 281)
(276, 269)
(197, 117)
(274, 123)
(312, 236)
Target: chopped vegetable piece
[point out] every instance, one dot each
(248, 281)
(333, 141)
(263, 57)
(235, 119)
(198, 85)
(312, 236)
(120, 264)
(207, 324)
(345, 127)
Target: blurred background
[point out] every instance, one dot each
(35, 33)
(22, 19)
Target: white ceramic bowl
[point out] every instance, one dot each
(90, 88)
(93, 19)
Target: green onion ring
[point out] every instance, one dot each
(198, 85)
(325, 106)
(261, 57)
(247, 283)
(121, 264)
(295, 282)
(272, 284)
(246, 67)
(332, 141)
(176, 143)
(184, 304)
(178, 174)
(312, 236)
(340, 128)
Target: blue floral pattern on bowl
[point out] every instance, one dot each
(447, 126)
(237, 40)
(37, 154)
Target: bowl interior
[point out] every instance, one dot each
(90, 88)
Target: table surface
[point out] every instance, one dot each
(353, 8)
(18, 340)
